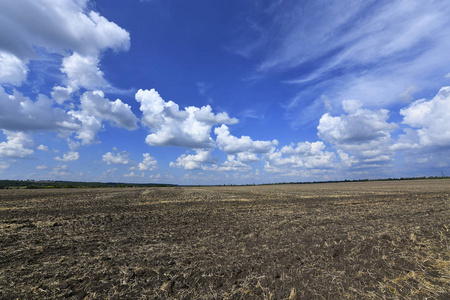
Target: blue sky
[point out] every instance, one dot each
(224, 92)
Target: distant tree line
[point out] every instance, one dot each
(54, 184)
(50, 184)
(364, 180)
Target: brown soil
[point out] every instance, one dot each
(371, 240)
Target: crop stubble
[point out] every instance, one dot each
(366, 240)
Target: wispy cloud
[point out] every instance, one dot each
(372, 51)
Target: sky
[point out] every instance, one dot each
(224, 92)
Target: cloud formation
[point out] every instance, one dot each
(231, 144)
(62, 25)
(116, 158)
(149, 163)
(13, 70)
(385, 54)
(95, 104)
(83, 71)
(381, 53)
(69, 156)
(364, 133)
(302, 156)
(18, 144)
(171, 126)
(21, 113)
(430, 120)
(203, 160)
(66, 28)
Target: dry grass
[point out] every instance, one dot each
(373, 240)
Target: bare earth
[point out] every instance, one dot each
(367, 240)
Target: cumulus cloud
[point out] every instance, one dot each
(69, 156)
(171, 126)
(364, 133)
(347, 161)
(430, 120)
(303, 155)
(63, 25)
(247, 157)
(42, 148)
(116, 158)
(304, 149)
(95, 104)
(233, 163)
(203, 159)
(12, 69)
(67, 28)
(82, 71)
(231, 144)
(42, 167)
(95, 109)
(148, 163)
(90, 126)
(132, 174)
(18, 112)
(18, 144)
(61, 94)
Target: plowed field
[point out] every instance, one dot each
(365, 240)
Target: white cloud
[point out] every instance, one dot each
(61, 94)
(69, 156)
(234, 164)
(21, 113)
(148, 163)
(304, 149)
(132, 174)
(42, 148)
(430, 118)
(95, 109)
(57, 26)
(12, 69)
(231, 144)
(18, 144)
(95, 104)
(357, 33)
(83, 71)
(37, 28)
(247, 157)
(190, 127)
(201, 160)
(381, 53)
(89, 128)
(347, 161)
(361, 132)
(304, 155)
(116, 158)
(42, 167)
(36, 31)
